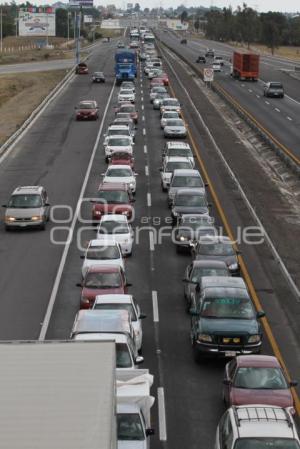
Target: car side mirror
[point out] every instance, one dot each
(160, 169)
(102, 174)
(260, 314)
(81, 256)
(4, 205)
(194, 312)
(209, 205)
(78, 284)
(238, 252)
(149, 432)
(142, 316)
(226, 382)
(47, 204)
(139, 359)
(128, 284)
(293, 383)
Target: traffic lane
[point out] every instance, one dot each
(267, 71)
(279, 304)
(193, 385)
(52, 153)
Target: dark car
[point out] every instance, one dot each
(101, 280)
(87, 110)
(98, 77)
(218, 248)
(210, 53)
(273, 89)
(193, 274)
(82, 69)
(201, 59)
(257, 379)
(224, 321)
(183, 41)
(191, 228)
(112, 198)
(189, 201)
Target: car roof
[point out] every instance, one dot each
(28, 190)
(113, 127)
(177, 159)
(118, 338)
(117, 167)
(173, 144)
(210, 263)
(100, 244)
(113, 186)
(263, 421)
(103, 269)
(118, 137)
(113, 299)
(186, 172)
(191, 191)
(223, 282)
(101, 321)
(114, 217)
(218, 239)
(257, 360)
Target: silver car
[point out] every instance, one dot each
(155, 90)
(175, 128)
(159, 99)
(28, 207)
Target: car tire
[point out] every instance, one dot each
(164, 189)
(178, 249)
(7, 228)
(196, 355)
(43, 226)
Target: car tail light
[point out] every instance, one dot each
(85, 303)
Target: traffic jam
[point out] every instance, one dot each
(257, 393)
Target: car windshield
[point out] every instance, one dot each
(276, 85)
(116, 172)
(123, 115)
(180, 152)
(103, 253)
(86, 106)
(175, 122)
(128, 109)
(167, 115)
(215, 249)
(123, 359)
(130, 427)
(119, 142)
(25, 201)
(113, 196)
(98, 74)
(195, 222)
(113, 227)
(171, 102)
(266, 443)
(171, 166)
(158, 90)
(118, 132)
(197, 232)
(126, 92)
(227, 307)
(102, 280)
(187, 181)
(199, 272)
(190, 200)
(259, 378)
(120, 306)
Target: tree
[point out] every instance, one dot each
(247, 24)
(197, 24)
(137, 7)
(272, 26)
(183, 16)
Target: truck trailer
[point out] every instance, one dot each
(49, 397)
(125, 65)
(245, 66)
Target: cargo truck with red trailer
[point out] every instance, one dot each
(245, 66)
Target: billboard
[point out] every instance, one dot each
(36, 24)
(88, 19)
(175, 24)
(83, 3)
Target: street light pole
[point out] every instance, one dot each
(68, 26)
(1, 34)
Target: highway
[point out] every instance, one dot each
(279, 117)
(67, 158)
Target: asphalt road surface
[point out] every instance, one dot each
(65, 157)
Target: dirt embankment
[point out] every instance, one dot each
(20, 94)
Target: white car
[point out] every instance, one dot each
(118, 143)
(115, 228)
(119, 301)
(126, 95)
(120, 174)
(167, 115)
(117, 130)
(175, 127)
(170, 104)
(219, 59)
(216, 67)
(169, 165)
(98, 253)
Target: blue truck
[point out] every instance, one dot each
(125, 65)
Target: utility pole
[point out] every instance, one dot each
(1, 34)
(68, 26)
(78, 21)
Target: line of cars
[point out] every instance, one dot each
(224, 323)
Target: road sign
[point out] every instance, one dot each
(208, 74)
(81, 3)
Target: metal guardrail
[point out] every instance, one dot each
(292, 161)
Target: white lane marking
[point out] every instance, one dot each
(257, 96)
(145, 149)
(59, 273)
(142, 99)
(142, 91)
(243, 85)
(146, 170)
(276, 109)
(144, 131)
(162, 414)
(267, 102)
(249, 90)
(155, 307)
(151, 241)
(143, 118)
(149, 199)
(292, 99)
(289, 118)
(142, 107)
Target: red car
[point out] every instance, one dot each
(156, 82)
(82, 69)
(101, 280)
(256, 379)
(87, 110)
(121, 158)
(129, 108)
(112, 198)
(165, 78)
